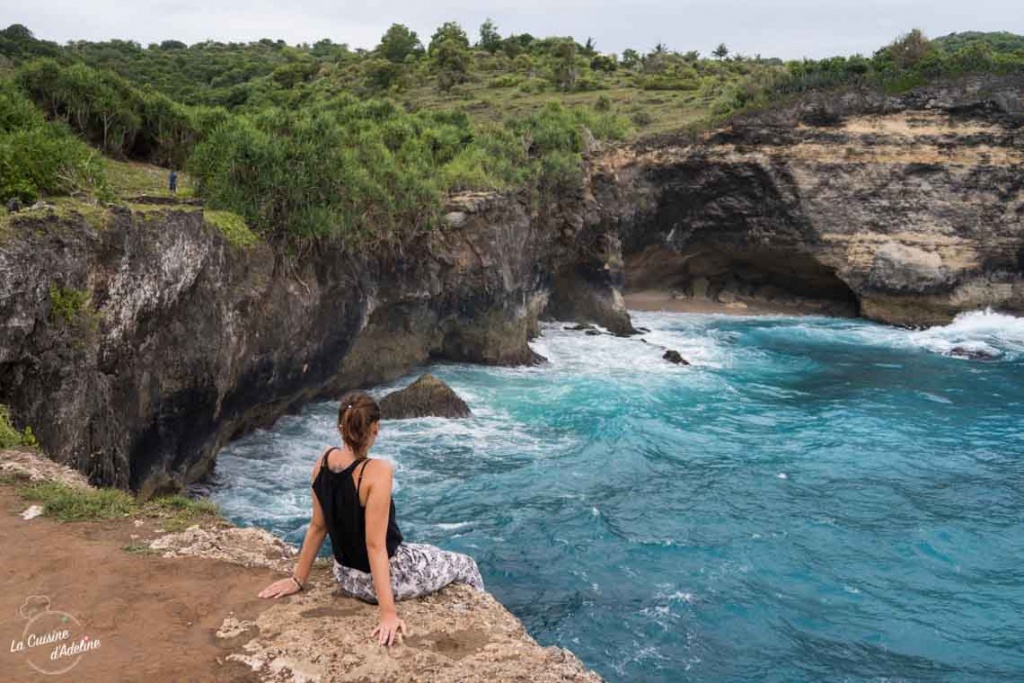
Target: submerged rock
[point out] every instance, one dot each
(426, 397)
(973, 354)
(673, 356)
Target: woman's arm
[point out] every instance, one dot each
(378, 508)
(311, 545)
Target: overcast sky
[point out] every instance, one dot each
(778, 28)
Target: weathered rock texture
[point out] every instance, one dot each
(138, 348)
(905, 209)
(426, 397)
(458, 634)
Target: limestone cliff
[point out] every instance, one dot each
(905, 209)
(138, 344)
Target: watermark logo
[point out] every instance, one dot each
(52, 642)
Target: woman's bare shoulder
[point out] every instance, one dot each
(379, 467)
(377, 471)
(319, 460)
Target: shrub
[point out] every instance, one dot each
(67, 303)
(39, 158)
(10, 437)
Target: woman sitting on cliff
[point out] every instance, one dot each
(352, 503)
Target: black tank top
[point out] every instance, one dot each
(345, 516)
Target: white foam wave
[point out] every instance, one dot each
(983, 333)
(579, 354)
(979, 334)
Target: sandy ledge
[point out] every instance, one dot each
(183, 607)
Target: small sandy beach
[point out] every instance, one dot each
(659, 300)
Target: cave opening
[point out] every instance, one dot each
(777, 279)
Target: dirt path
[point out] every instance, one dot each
(155, 618)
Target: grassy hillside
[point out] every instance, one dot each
(321, 141)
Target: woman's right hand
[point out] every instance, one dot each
(388, 628)
(279, 589)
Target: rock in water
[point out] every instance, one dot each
(673, 357)
(426, 397)
(973, 354)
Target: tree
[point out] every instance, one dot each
(450, 31)
(590, 48)
(382, 74)
(398, 42)
(490, 39)
(450, 58)
(565, 69)
(630, 58)
(910, 49)
(606, 63)
(721, 52)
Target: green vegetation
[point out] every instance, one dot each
(232, 226)
(67, 503)
(67, 303)
(134, 179)
(320, 142)
(908, 62)
(40, 157)
(10, 437)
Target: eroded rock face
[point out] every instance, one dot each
(136, 350)
(426, 397)
(905, 210)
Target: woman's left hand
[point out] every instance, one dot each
(279, 589)
(388, 629)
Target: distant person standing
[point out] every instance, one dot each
(172, 182)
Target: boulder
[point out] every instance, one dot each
(673, 356)
(426, 397)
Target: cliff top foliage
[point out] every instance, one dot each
(320, 141)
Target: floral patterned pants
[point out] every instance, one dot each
(417, 569)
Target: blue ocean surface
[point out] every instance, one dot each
(812, 500)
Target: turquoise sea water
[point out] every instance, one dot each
(813, 500)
